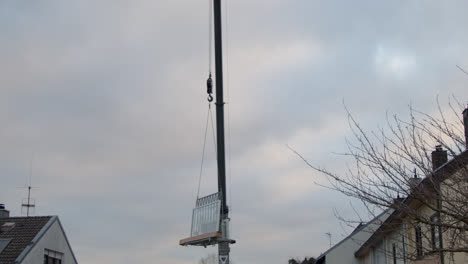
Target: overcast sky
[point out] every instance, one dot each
(107, 101)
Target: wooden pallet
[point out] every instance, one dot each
(201, 240)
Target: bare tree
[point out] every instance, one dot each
(305, 261)
(210, 259)
(463, 70)
(396, 167)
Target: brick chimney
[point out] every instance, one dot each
(3, 212)
(465, 123)
(439, 157)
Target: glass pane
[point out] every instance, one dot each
(205, 216)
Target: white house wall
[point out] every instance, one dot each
(396, 237)
(54, 239)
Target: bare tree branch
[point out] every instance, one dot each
(461, 69)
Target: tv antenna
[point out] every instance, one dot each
(29, 203)
(329, 237)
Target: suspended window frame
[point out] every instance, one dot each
(206, 222)
(206, 215)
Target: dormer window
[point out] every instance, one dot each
(7, 226)
(4, 243)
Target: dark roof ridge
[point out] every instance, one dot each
(24, 217)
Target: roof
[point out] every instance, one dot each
(21, 232)
(391, 221)
(360, 227)
(439, 174)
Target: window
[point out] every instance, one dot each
(52, 257)
(418, 234)
(4, 243)
(379, 255)
(435, 231)
(403, 248)
(394, 254)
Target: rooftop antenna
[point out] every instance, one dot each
(29, 203)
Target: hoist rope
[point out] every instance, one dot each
(203, 152)
(210, 34)
(209, 116)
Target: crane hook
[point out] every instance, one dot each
(209, 88)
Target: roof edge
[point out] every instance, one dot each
(66, 239)
(357, 230)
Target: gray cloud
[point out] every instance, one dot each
(109, 97)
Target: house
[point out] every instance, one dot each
(425, 231)
(423, 228)
(430, 226)
(33, 240)
(343, 252)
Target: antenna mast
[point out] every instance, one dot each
(223, 247)
(329, 237)
(28, 203)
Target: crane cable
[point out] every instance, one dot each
(210, 34)
(209, 82)
(209, 116)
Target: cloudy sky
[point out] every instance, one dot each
(104, 104)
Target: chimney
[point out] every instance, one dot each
(3, 212)
(439, 157)
(465, 123)
(397, 201)
(414, 182)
